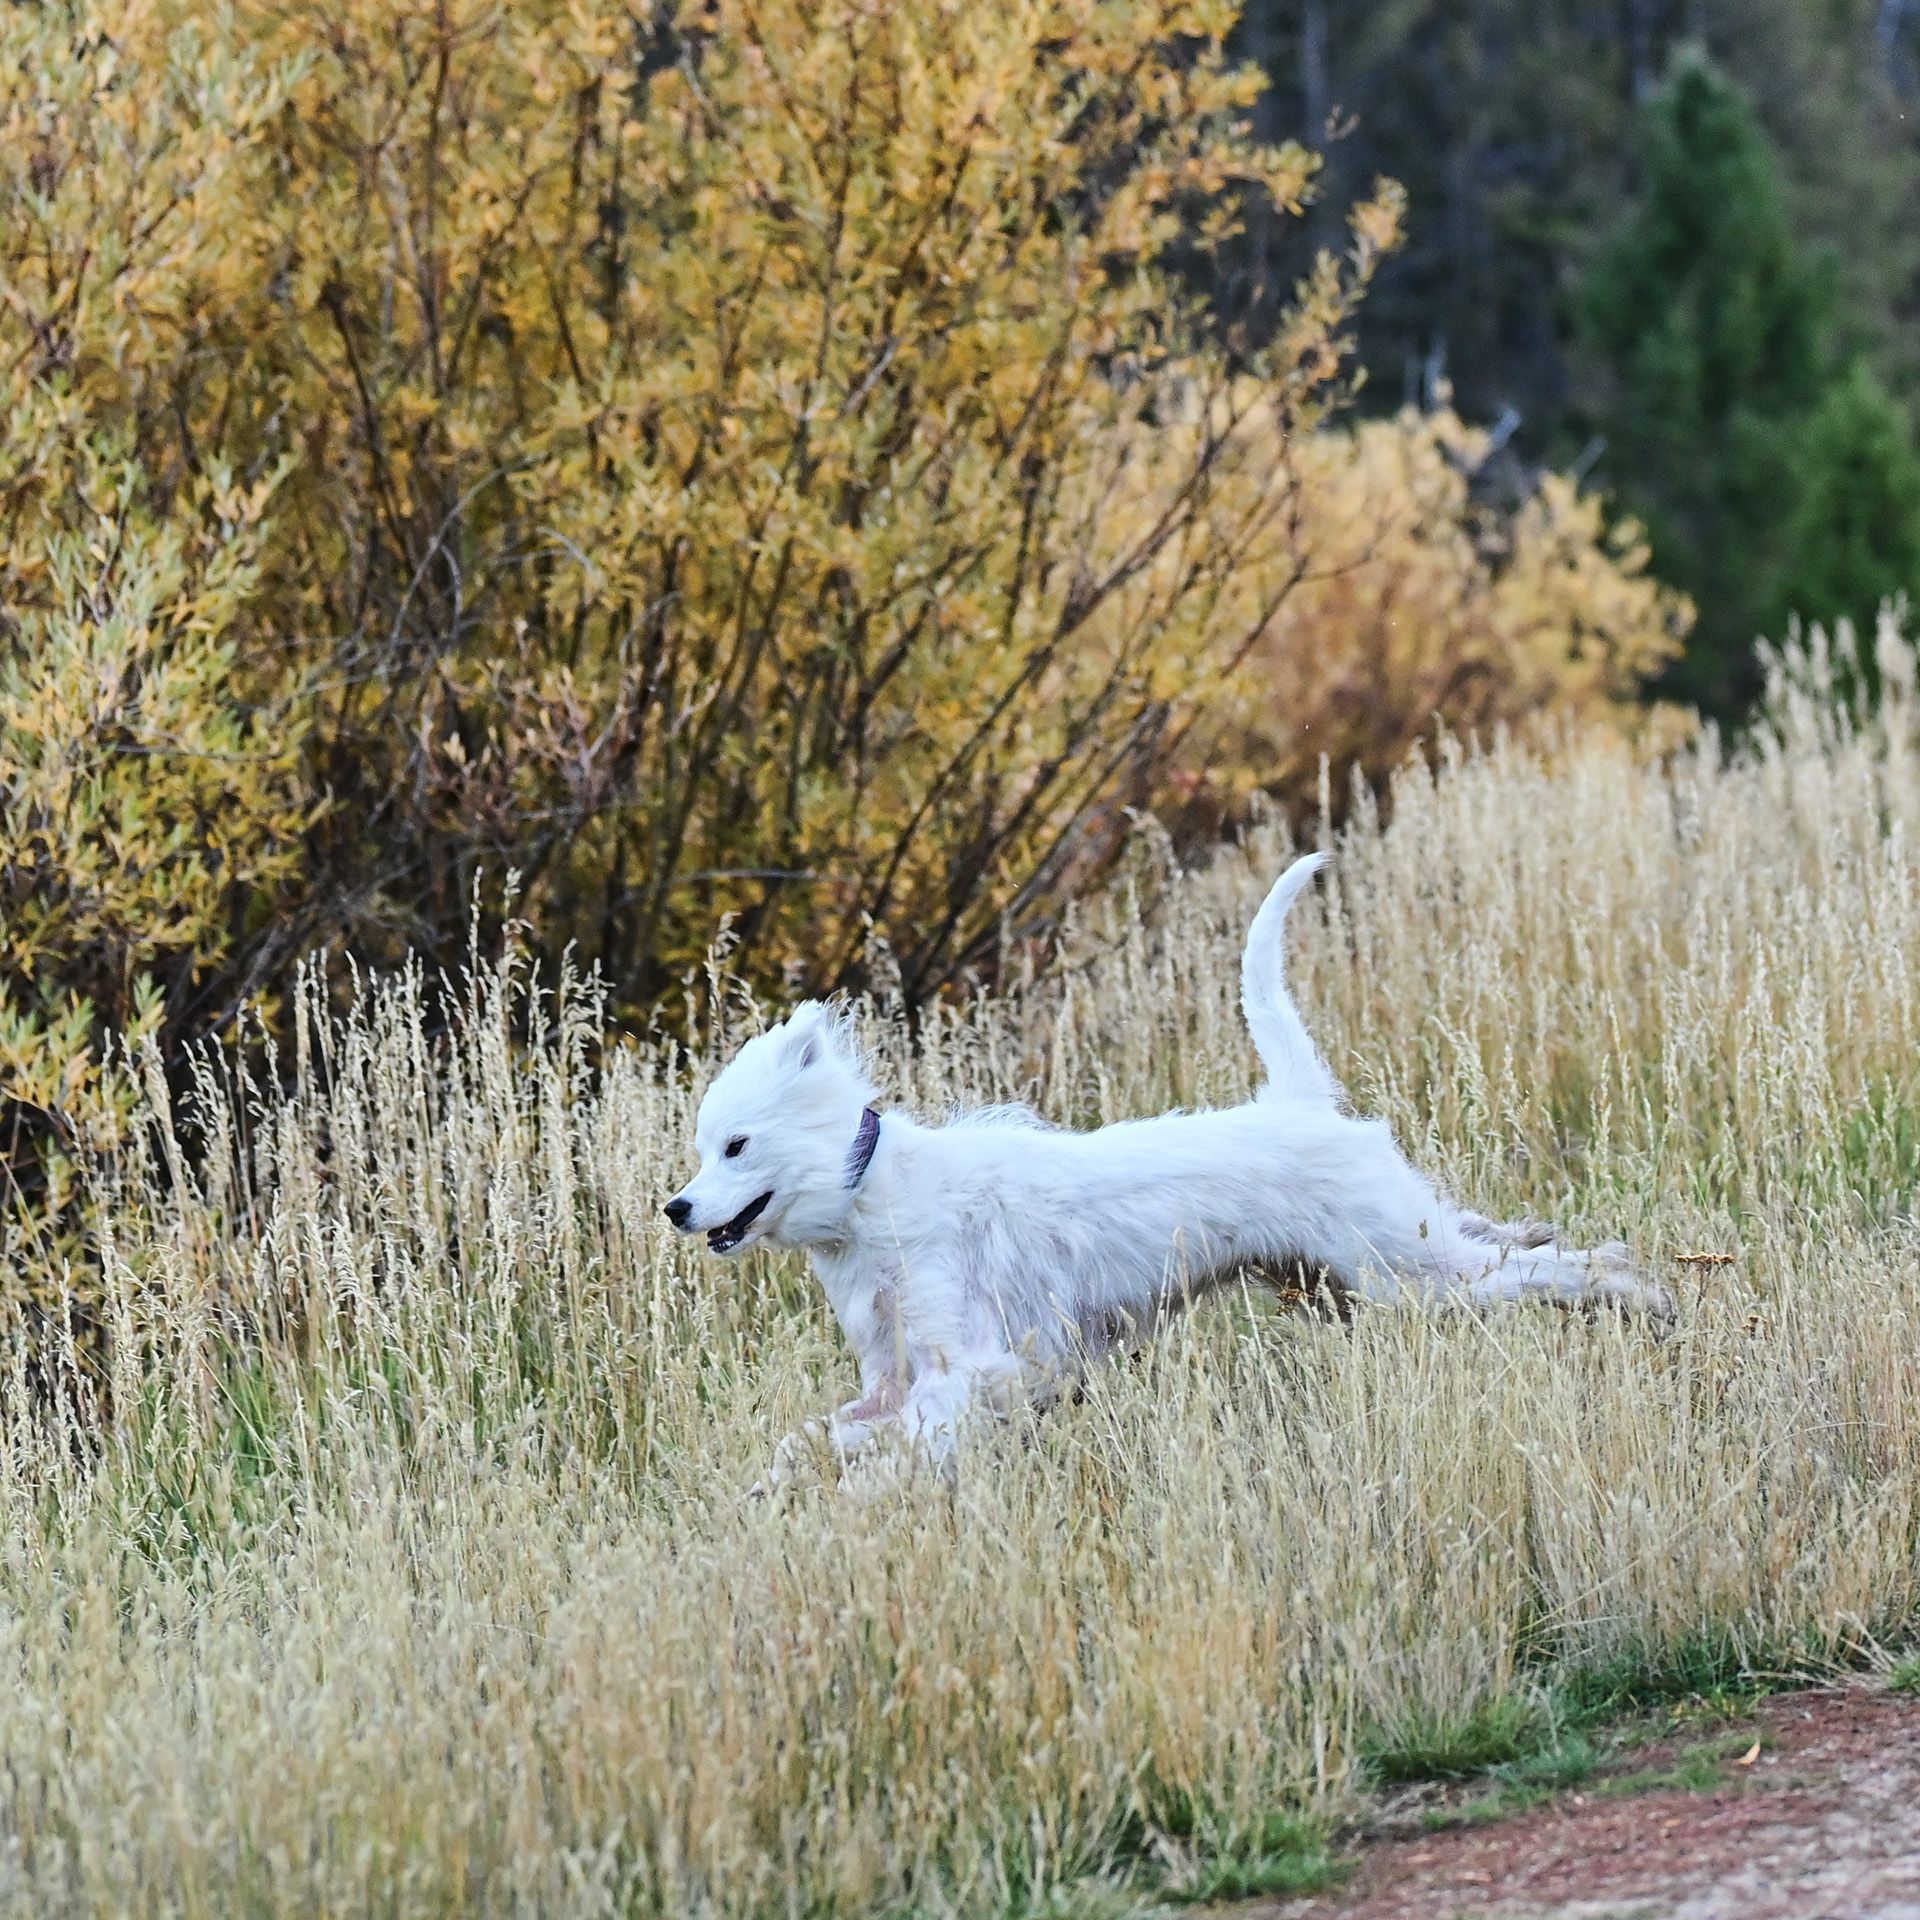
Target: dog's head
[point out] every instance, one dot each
(777, 1135)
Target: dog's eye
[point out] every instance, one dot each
(736, 1146)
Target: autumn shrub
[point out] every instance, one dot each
(1399, 599)
(151, 817)
(695, 425)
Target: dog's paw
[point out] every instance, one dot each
(1621, 1286)
(793, 1459)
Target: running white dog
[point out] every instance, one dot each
(981, 1263)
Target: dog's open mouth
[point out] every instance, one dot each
(725, 1239)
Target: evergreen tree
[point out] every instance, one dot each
(1731, 429)
(1854, 539)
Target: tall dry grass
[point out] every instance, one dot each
(413, 1577)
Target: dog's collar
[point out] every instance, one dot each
(864, 1143)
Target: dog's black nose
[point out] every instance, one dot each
(679, 1211)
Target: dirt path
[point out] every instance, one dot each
(1823, 1823)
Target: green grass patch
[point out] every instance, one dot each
(1697, 1769)
(1185, 1853)
(1569, 1762)
(1485, 1810)
(1285, 1854)
(1571, 1731)
(1709, 1673)
(1529, 1739)
(1904, 1675)
(1577, 1761)
(1529, 1780)
(1461, 1746)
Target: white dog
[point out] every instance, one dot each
(982, 1262)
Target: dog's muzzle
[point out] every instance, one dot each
(724, 1239)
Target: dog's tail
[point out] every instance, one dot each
(1294, 1067)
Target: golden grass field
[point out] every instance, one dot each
(414, 1576)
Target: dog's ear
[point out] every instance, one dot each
(808, 1035)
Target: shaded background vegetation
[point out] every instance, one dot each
(1672, 243)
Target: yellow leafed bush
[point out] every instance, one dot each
(150, 819)
(1388, 598)
(691, 424)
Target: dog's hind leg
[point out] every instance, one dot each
(1507, 1233)
(1606, 1276)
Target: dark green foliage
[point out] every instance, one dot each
(1774, 479)
(1703, 303)
(1505, 121)
(1854, 538)
(1512, 126)
(1710, 328)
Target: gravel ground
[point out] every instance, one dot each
(1822, 1824)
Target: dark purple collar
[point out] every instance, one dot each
(864, 1143)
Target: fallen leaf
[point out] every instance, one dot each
(1750, 1756)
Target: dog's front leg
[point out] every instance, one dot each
(847, 1431)
(852, 1429)
(945, 1396)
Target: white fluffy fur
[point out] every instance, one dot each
(983, 1262)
